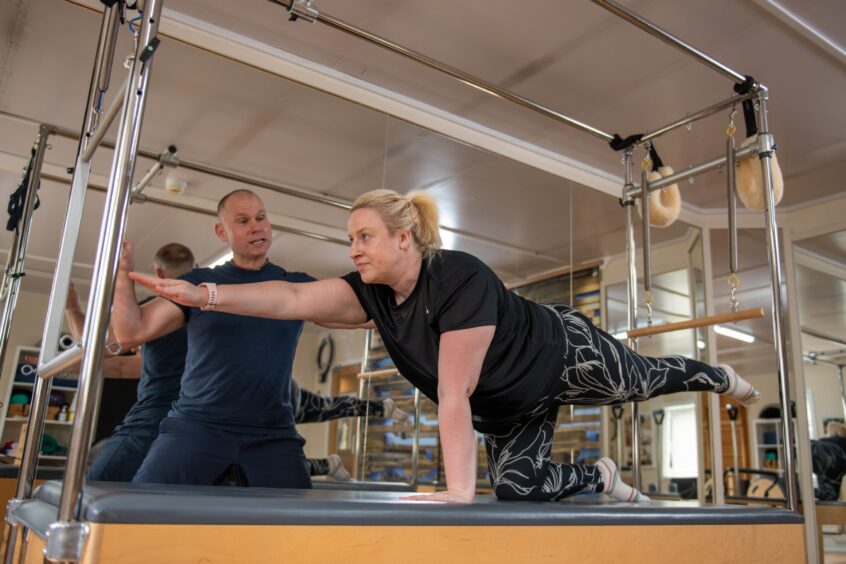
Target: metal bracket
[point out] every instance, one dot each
(169, 158)
(11, 511)
(166, 159)
(304, 9)
(766, 144)
(65, 541)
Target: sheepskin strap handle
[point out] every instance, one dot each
(748, 105)
(749, 118)
(656, 160)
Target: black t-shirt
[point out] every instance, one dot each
(454, 291)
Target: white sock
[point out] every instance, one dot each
(615, 486)
(738, 388)
(391, 411)
(336, 468)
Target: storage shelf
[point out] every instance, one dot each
(17, 384)
(48, 421)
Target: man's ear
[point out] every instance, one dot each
(160, 273)
(220, 232)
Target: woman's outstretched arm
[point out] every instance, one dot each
(325, 301)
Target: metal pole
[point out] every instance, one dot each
(17, 253)
(41, 389)
(765, 148)
(415, 444)
(842, 389)
(105, 270)
(657, 440)
(361, 430)
(735, 457)
(470, 80)
(647, 242)
(617, 412)
(101, 74)
(731, 203)
(631, 257)
(668, 38)
(733, 412)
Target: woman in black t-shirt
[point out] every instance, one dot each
(490, 359)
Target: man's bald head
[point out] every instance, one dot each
(235, 194)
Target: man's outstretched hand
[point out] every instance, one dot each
(179, 291)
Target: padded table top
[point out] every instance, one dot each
(168, 504)
(362, 486)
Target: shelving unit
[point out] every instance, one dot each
(11, 427)
(577, 434)
(769, 446)
(388, 447)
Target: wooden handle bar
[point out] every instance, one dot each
(694, 323)
(387, 373)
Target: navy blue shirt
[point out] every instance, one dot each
(238, 369)
(163, 361)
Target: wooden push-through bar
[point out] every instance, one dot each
(699, 322)
(376, 374)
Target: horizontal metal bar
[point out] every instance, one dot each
(467, 79)
(823, 336)
(701, 114)
(187, 207)
(695, 170)
(276, 226)
(60, 362)
(281, 189)
(669, 38)
(816, 360)
(238, 177)
(105, 123)
(694, 323)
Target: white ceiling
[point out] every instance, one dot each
(571, 56)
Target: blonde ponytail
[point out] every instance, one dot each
(416, 211)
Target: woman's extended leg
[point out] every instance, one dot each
(599, 370)
(521, 469)
(314, 408)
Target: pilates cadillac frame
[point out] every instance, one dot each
(65, 539)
